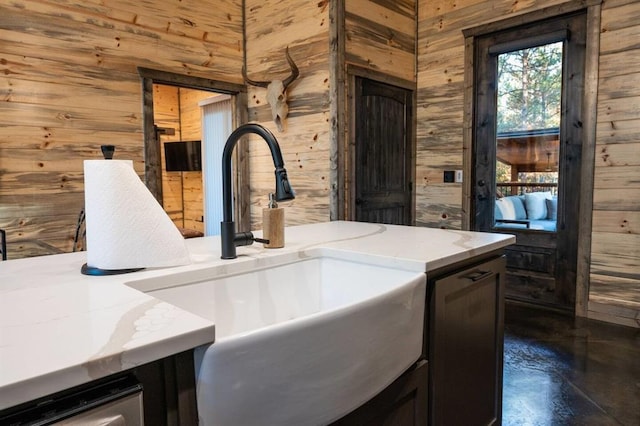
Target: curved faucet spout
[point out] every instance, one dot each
(283, 189)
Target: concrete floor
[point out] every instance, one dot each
(564, 371)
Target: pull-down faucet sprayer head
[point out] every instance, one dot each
(284, 191)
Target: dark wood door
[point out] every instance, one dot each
(542, 264)
(383, 192)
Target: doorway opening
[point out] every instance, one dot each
(186, 122)
(527, 147)
(189, 180)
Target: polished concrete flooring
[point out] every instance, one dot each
(559, 370)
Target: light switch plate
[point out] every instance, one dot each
(458, 176)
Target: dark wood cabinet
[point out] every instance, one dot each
(458, 381)
(169, 390)
(403, 403)
(464, 345)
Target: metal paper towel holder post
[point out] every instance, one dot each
(107, 152)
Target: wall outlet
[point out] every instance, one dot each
(458, 176)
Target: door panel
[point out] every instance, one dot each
(382, 153)
(541, 266)
(466, 345)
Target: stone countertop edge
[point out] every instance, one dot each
(59, 328)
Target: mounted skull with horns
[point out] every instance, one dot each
(277, 92)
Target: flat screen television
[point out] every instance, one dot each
(183, 156)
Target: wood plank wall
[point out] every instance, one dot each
(192, 187)
(271, 26)
(615, 244)
(69, 83)
(616, 222)
(380, 35)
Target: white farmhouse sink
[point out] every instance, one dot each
(300, 344)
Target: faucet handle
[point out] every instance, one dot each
(243, 239)
(247, 238)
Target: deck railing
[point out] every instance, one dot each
(518, 188)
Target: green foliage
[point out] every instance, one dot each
(530, 88)
(503, 172)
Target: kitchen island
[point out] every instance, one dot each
(60, 329)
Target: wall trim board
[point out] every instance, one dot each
(356, 70)
(190, 82)
(337, 110)
(590, 106)
(467, 130)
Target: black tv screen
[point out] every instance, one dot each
(183, 156)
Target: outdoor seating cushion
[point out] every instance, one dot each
(538, 210)
(536, 205)
(510, 208)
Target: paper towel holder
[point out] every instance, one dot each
(107, 152)
(92, 270)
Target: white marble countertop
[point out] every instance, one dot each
(59, 328)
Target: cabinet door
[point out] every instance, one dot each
(402, 403)
(466, 345)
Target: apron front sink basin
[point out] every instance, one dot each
(302, 343)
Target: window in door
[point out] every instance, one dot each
(528, 110)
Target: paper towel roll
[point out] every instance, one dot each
(126, 226)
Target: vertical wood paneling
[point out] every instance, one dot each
(69, 82)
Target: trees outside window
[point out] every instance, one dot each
(529, 88)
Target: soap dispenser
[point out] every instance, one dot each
(273, 224)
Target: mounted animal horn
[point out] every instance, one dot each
(277, 92)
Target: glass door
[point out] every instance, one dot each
(527, 142)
